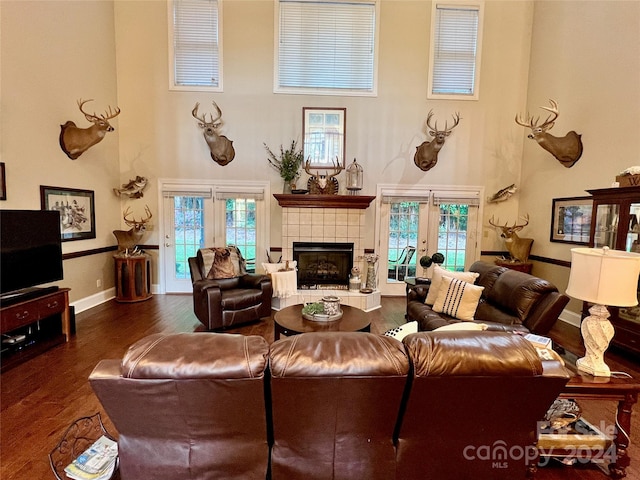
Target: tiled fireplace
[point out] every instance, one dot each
(306, 220)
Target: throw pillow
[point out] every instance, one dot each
(436, 280)
(402, 331)
(457, 298)
(462, 326)
(222, 266)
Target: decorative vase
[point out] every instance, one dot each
(286, 187)
(371, 275)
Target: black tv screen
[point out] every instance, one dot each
(30, 249)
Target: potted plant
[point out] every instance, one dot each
(288, 164)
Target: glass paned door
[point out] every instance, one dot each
(402, 241)
(452, 235)
(188, 223)
(241, 216)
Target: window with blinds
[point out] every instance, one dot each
(455, 50)
(326, 47)
(195, 44)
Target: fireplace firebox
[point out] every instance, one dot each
(323, 265)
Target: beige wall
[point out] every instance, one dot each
(53, 53)
(586, 56)
(116, 52)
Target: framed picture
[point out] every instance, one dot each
(571, 220)
(3, 182)
(77, 211)
(324, 136)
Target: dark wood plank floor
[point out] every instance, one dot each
(41, 397)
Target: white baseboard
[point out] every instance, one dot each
(93, 300)
(571, 318)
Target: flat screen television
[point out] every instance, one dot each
(30, 250)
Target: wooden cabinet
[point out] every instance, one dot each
(614, 223)
(31, 326)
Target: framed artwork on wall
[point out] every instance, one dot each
(571, 220)
(324, 136)
(77, 211)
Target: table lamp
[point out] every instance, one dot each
(603, 277)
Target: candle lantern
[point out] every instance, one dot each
(355, 174)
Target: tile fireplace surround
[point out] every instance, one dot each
(316, 218)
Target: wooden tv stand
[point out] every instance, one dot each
(43, 320)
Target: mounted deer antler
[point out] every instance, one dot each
(426, 155)
(222, 151)
(75, 141)
(325, 184)
(519, 248)
(129, 239)
(567, 150)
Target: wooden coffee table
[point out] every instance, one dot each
(289, 321)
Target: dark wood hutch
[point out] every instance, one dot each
(615, 217)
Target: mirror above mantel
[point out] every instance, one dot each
(324, 130)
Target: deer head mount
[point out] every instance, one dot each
(222, 151)
(129, 239)
(567, 149)
(426, 155)
(75, 141)
(518, 248)
(326, 184)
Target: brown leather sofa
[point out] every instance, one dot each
(511, 301)
(327, 405)
(228, 302)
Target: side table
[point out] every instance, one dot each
(133, 277)
(624, 391)
(525, 267)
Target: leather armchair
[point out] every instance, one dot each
(188, 406)
(227, 302)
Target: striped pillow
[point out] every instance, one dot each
(457, 298)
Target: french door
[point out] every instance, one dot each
(418, 222)
(199, 216)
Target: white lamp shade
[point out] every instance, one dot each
(603, 276)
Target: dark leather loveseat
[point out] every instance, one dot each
(327, 405)
(511, 301)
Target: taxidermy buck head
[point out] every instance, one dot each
(129, 239)
(75, 141)
(567, 149)
(323, 184)
(518, 248)
(221, 147)
(426, 155)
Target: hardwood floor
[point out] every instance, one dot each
(41, 397)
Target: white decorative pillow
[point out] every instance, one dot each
(457, 298)
(462, 326)
(436, 280)
(402, 331)
(279, 267)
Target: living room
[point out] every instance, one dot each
(116, 52)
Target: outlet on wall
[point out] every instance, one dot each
(98, 283)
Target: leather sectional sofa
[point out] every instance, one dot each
(511, 301)
(327, 405)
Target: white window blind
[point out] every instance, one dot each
(455, 50)
(459, 198)
(225, 193)
(326, 45)
(195, 43)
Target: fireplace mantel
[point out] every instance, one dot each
(324, 201)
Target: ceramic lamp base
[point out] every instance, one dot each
(597, 332)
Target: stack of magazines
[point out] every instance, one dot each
(97, 462)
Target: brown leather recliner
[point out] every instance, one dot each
(511, 301)
(188, 406)
(228, 302)
(474, 405)
(335, 402)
